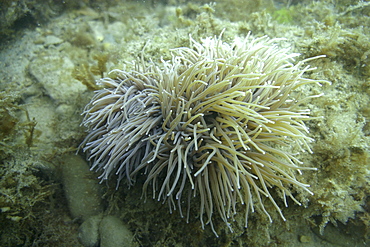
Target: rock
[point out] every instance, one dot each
(305, 239)
(114, 233)
(52, 40)
(89, 231)
(53, 72)
(82, 189)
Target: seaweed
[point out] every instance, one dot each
(11, 126)
(86, 73)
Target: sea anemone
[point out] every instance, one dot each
(213, 123)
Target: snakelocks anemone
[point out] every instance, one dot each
(210, 124)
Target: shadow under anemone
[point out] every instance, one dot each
(208, 123)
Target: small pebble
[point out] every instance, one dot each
(304, 239)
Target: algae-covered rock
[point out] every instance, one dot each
(81, 188)
(107, 231)
(114, 233)
(54, 74)
(89, 235)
